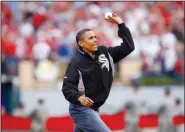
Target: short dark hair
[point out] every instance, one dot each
(80, 34)
(177, 101)
(40, 101)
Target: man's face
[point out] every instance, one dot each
(89, 41)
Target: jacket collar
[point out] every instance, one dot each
(82, 52)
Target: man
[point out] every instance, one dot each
(133, 105)
(134, 108)
(178, 107)
(166, 112)
(89, 76)
(178, 111)
(39, 116)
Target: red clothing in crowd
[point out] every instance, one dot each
(6, 14)
(179, 67)
(9, 48)
(38, 19)
(29, 46)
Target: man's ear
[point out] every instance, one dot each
(80, 43)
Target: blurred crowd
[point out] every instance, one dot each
(45, 33)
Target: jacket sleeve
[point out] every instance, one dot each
(126, 47)
(70, 84)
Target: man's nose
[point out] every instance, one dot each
(95, 40)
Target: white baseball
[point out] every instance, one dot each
(108, 14)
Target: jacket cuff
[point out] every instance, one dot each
(77, 98)
(121, 25)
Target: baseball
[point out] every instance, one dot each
(108, 14)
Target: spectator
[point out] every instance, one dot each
(55, 24)
(146, 64)
(41, 51)
(160, 59)
(47, 69)
(6, 86)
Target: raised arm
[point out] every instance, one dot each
(127, 46)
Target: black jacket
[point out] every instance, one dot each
(94, 76)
